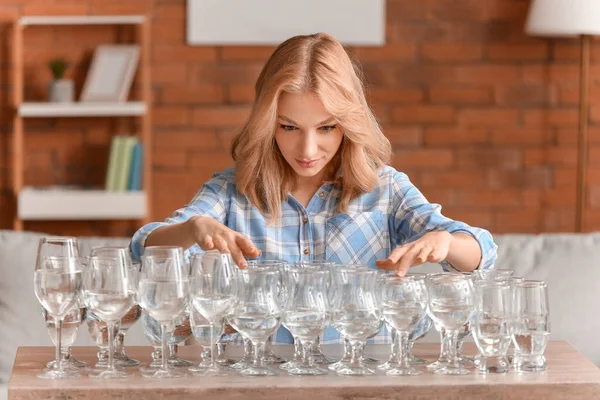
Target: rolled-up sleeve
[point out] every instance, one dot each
(415, 216)
(211, 200)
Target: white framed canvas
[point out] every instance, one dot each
(270, 22)
(111, 73)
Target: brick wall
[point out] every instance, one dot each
(481, 117)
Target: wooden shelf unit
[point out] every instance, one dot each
(80, 204)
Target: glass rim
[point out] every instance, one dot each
(59, 238)
(265, 270)
(532, 283)
(307, 271)
(394, 277)
(500, 283)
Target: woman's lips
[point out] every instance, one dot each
(307, 164)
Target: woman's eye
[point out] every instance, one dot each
(287, 127)
(328, 128)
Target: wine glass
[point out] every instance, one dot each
(108, 294)
(356, 312)
(257, 313)
(531, 326)
(491, 325)
(62, 246)
(306, 313)
(57, 285)
(270, 356)
(451, 304)
(213, 294)
(164, 293)
(135, 312)
(404, 301)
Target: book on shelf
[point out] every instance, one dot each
(125, 160)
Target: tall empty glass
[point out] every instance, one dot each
(57, 285)
(204, 333)
(257, 313)
(306, 313)
(491, 325)
(62, 246)
(404, 301)
(531, 329)
(356, 312)
(164, 293)
(451, 304)
(213, 292)
(108, 294)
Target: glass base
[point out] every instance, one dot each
(403, 372)
(523, 363)
(492, 365)
(355, 371)
(56, 374)
(162, 374)
(465, 360)
(72, 362)
(273, 358)
(449, 370)
(299, 370)
(291, 364)
(225, 361)
(256, 371)
(338, 365)
(434, 366)
(178, 362)
(388, 365)
(416, 360)
(125, 361)
(114, 374)
(320, 358)
(208, 371)
(371, 360)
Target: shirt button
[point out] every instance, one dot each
(306, 251)
(321, 194)
(305, 220)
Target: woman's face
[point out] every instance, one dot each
(307, 135)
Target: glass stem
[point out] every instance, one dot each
(212, 346)
(248, 350)
(269, 345)
(452, 336)
(403, 354)
(259, 354)
(120, 344)
(111, 344)
(358, 347)
(395, 346)
(58, 324)
(164, 346)
(306, 354)
(444, 345)
(297, 349)
(316, 346)
(347, 351)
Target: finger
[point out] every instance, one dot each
(247, 247)
(221, 244)
(423, 255)
(390, 262)
(207, 243)
(407, 261)
(238, 257)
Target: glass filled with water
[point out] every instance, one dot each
(531, 327)
(491, 325)
(57, 285)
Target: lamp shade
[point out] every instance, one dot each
(563, 18)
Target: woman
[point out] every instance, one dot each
(311, 180)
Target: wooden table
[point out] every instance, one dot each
(569, 376)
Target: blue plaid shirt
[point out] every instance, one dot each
(394, 213)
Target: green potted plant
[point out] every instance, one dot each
(60, 90)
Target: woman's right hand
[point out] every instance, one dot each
(210, 234)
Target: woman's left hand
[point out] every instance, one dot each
(432, 247)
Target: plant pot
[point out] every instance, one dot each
(61, 91)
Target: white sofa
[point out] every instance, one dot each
(569, 263)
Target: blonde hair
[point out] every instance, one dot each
(319, 64)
